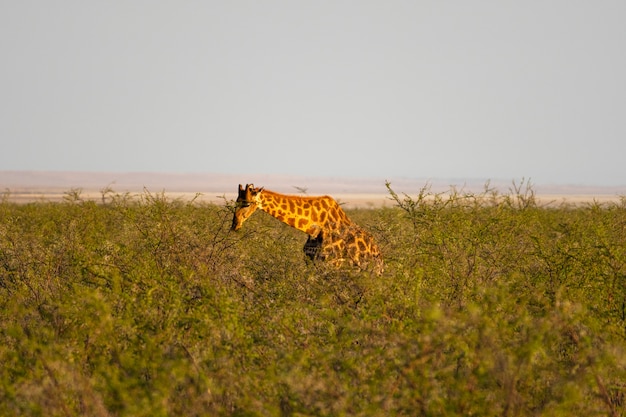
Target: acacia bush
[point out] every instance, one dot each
(142, 305)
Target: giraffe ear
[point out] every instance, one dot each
(240, 187)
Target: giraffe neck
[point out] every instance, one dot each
(311, 215)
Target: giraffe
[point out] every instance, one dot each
(331, 234)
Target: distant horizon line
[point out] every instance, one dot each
(460, 180)
(34, 185)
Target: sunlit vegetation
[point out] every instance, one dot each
(490, 304)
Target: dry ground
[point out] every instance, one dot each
(31, 186)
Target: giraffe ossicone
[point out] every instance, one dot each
(332, 235)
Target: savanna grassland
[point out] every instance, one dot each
(490, 304)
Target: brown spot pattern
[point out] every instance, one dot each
(337, 237)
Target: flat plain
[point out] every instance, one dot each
(29, 186)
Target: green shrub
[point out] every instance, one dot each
(489, 305)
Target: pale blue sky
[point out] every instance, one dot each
(425, 89)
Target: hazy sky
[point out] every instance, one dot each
(427, 89)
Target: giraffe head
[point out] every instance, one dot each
(247, 203)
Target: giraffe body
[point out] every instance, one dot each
(332, 235)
